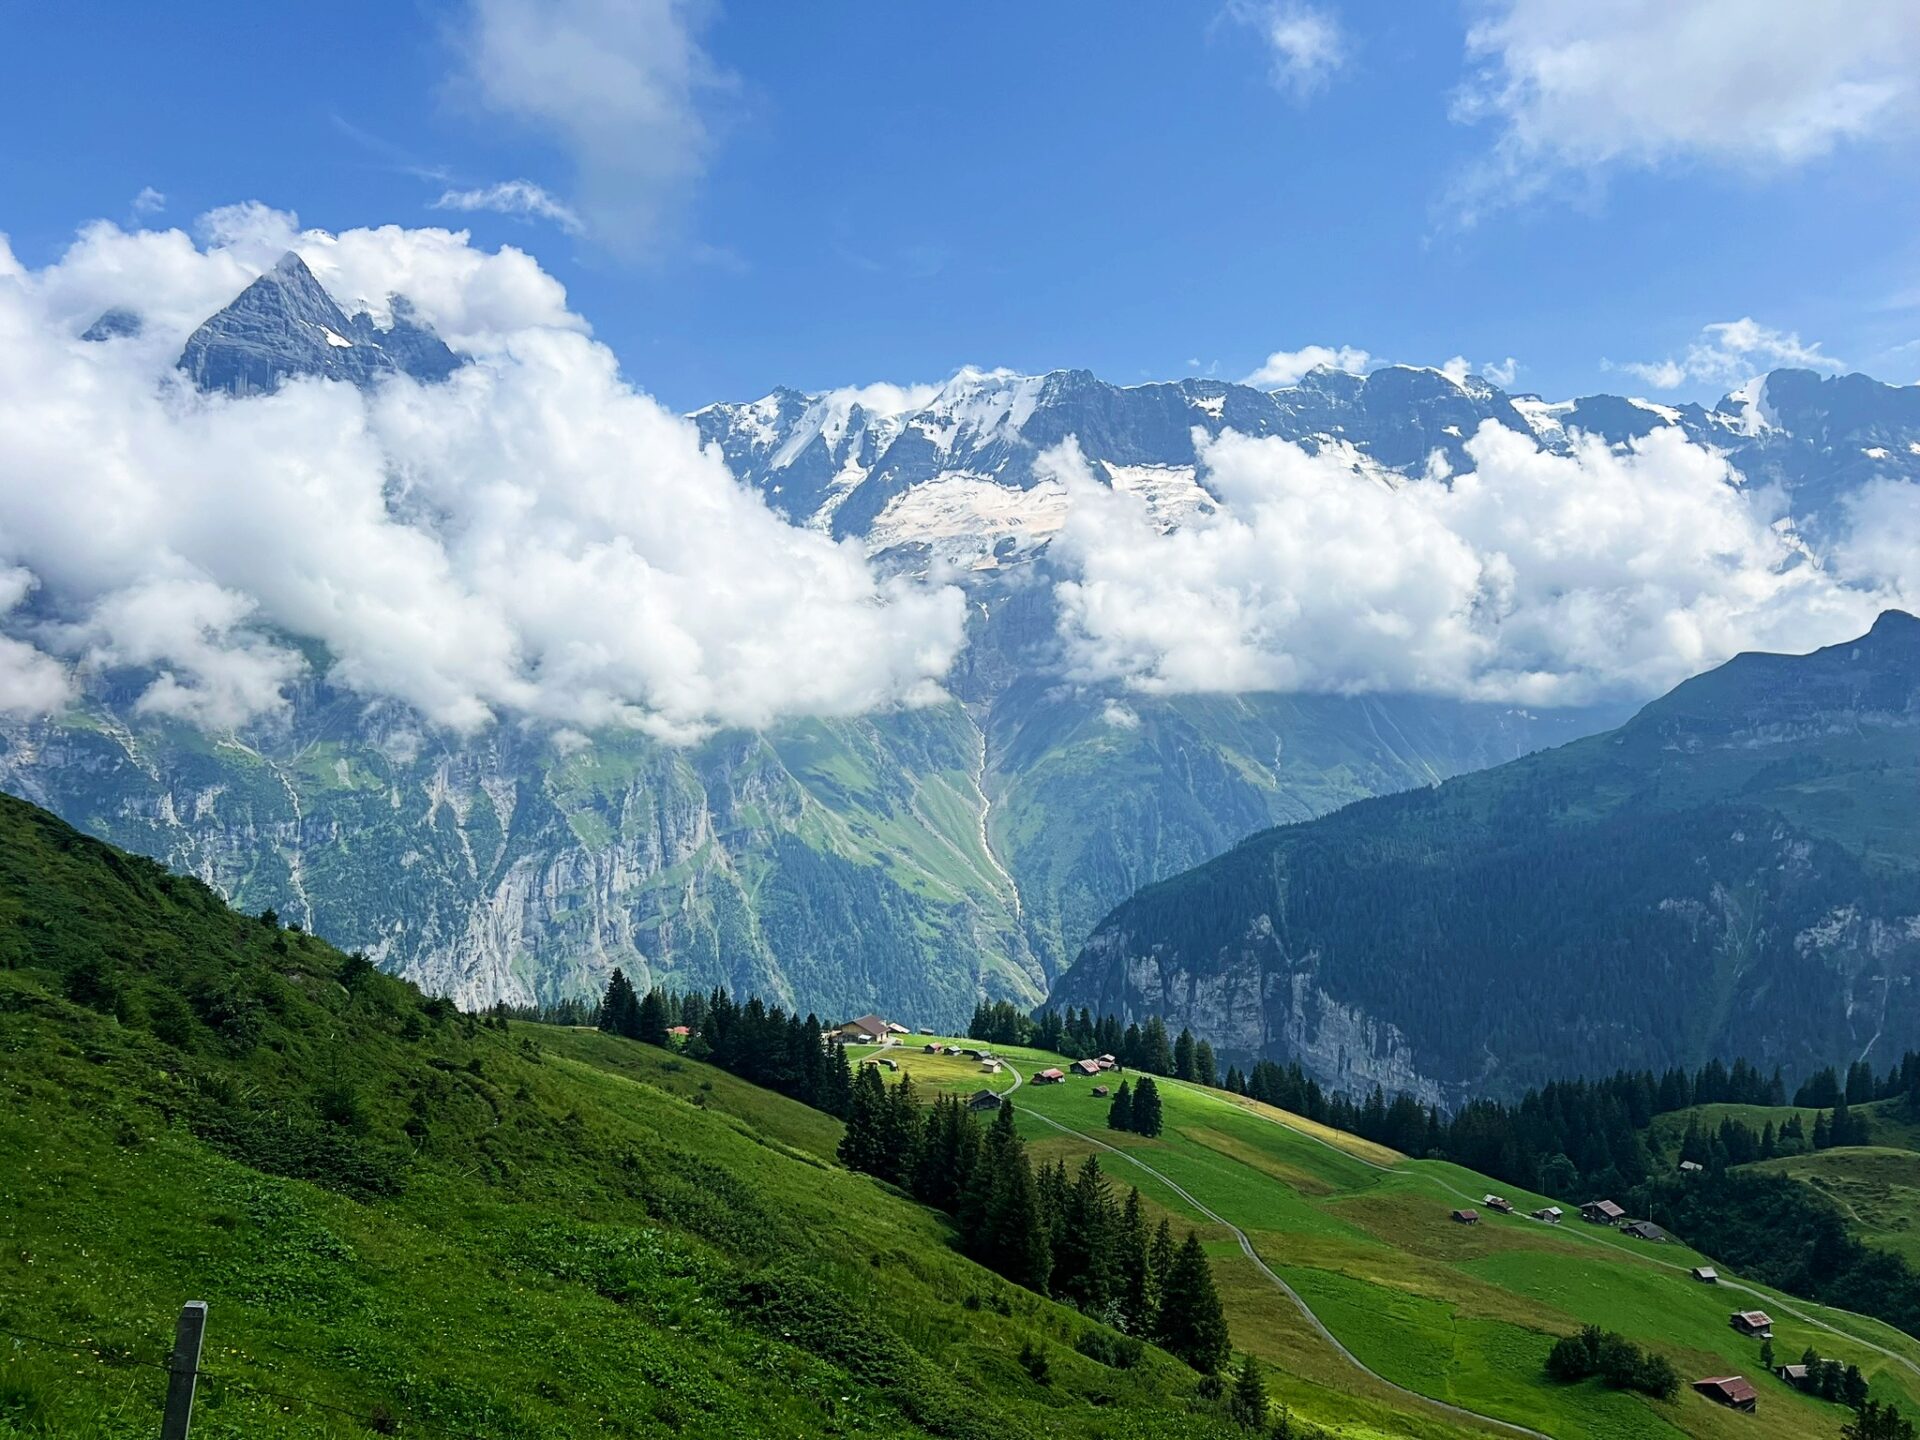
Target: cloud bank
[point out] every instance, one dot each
(1572, 88)
(533, 539)
(1285, 367)
(1729, 353)
(1533, 578)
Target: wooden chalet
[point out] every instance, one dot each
(1549, 1213)
(1691, 1167)
(1105, 1062)
(1755, 1323)
(983, 1100)
(1733, 1391)
(1645, 1230)
(1498, 1204)
(1050, 1077)
(1794, 1375)
(1086, 1067)
(866, 1030)
(1101, 1090)
(1466, 1217)
(1706, 1274)
(1602, 1212)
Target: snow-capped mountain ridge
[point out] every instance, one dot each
(951, 472)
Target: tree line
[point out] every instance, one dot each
(1060, 1235)
(1078, 1036)
(1067, 1237)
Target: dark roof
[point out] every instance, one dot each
(1466, 1216)
(1644, 1230)
(1729, 1389)
(983, 1100)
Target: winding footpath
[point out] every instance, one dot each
(1456, 1412)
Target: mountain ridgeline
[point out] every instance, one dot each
(911, 862)
(1734, 871)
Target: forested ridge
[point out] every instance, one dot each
(1716, 877)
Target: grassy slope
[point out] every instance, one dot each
(573, 1248)
(1457, 1313)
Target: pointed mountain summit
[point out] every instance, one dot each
(286, 324)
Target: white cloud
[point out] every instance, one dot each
(532, 539)
(622, 86)
(31, 681)
(512, 197)
(1532, 578)
(1572, 88)
(149, 201)
(1306, 44)
(1729, 353)
(1285, 367)
(1119, 716)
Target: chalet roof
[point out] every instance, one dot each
(983, 1100)
(1757, 1319)
(1605, 1207)
(1466, 1217)
(1705, 1272)
(866, 1025)
(1644, 1230)
(1793, 1373)
(1732, 1389)
(1691, 1165)
(1086, 1067)
(893, 1029)
(1051, 1073)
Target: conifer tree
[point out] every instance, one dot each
(1011, 1238)
(620, 1010)
(1206, 1069)
(1135, 1279)
(902, 1131)
(1146, 1107)
(1248, 1404)
(863, 1146)
(1158, 1057)
(1183, 1062)
(1192, 1326)
(1083, 1258)
(1160, 1257)
(1120, 1112)
(650, 1025)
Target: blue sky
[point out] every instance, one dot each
(819, 195)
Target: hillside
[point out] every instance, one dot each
(1314, 1228)
(407, 1221)
(1733, 871)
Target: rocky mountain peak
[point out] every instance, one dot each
(285, 324)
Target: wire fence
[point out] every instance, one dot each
(380, 1420)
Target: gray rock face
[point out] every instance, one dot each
(112, 325)
(285, 324)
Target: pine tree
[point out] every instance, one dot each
(620, 1010)
(1146, 1107)
(650, 1024)
(903, 1126)
(1160, 1255)
(1133, 1266)
(1158, 1056)
(1014, 1240)
(1766, 1354)
(1192, 1326)
(1853, 1387)
(1183, 1061)
(1248, 1404)
(1083, 1256)
(1120, 1112)
(1206, 1069)
(863, 1146)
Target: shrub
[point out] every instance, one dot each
(1618, 1362)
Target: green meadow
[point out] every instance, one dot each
(1462, 1314)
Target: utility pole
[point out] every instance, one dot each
(184, 1370)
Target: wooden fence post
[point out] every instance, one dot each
(184, 1370)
